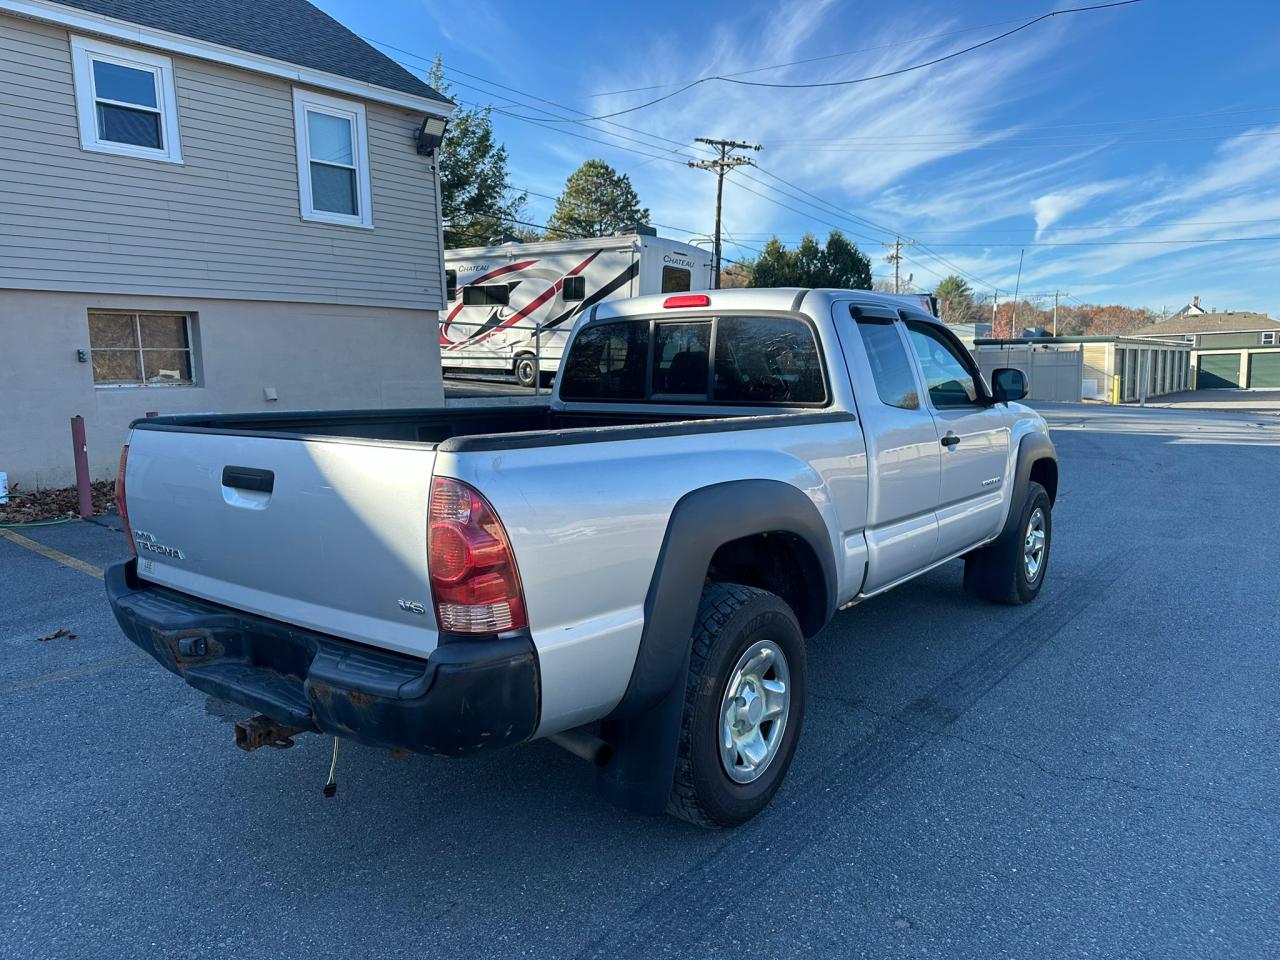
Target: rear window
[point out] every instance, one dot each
(607, 362)
(748, 361)
(681, 352)
(486, 295)
(767, 360)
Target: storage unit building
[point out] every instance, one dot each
(1106, 369)
(1256, 368)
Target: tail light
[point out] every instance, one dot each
(122, 507)
(474, 581)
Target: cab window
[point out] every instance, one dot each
(680, 354)
(767, 360)
(948, 375)
(607, 362)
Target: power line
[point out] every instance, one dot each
(797, 63)
(877, 76)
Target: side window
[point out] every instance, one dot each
(450, 284)
(333, 161)
(125, 100)
(890, 365)
(486, 295)
(607, 362)
(767, 360)
(949, 376)
(675, 280)
(575, 289)
(680, 354)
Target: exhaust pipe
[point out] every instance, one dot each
(592, 749)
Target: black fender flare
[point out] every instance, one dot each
(645, 724)
(1032, 448)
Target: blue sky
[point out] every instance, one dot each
(1158, 121)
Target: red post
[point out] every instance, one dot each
(80, 447)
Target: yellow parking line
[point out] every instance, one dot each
(63, 558)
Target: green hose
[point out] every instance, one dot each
(37, 523)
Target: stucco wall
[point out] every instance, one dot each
(316, 356)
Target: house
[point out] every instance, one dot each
(1209, 329)
(208, 205)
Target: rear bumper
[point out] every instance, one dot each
(466, 697)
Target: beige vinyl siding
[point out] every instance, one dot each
(226, 222)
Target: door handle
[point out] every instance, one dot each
(950, 440)
(248, 478)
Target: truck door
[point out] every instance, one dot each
(973, 436)
(903, 452)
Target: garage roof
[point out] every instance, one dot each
(1208, 323)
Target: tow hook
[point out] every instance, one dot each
(262, 731)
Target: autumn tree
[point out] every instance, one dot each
(837, 264)
(477, 201)
(597, 201)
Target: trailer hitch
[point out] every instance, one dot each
(262, 731)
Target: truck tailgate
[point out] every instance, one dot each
(326, 534)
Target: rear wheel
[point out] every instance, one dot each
(526, 370)
(744, 706)
(1012, 569)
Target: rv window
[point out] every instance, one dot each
(575, 289)
(607, 362)
(767, 360)
(450, 284)
(486, 295)
(675, 280)
(680, 358)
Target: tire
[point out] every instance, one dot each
(736, 623)
(526, 370)
(1001, 571)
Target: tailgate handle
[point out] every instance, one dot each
(248, 478)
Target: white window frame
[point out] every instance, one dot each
(83, 52)
(304, 101)
(1267, 339)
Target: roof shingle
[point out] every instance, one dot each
(1208, 323)
(294, 31)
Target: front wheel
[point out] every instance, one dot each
(526, 371)
(744, 706)
(1012, 569)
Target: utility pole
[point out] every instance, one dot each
(896, 259)
(722, 165)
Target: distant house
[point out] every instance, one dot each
(1209, 329)
(209, 205)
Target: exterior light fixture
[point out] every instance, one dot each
(429, 135)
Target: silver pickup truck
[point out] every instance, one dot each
(631, 570)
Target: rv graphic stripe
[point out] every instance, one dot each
(621, 280)
(509, 268)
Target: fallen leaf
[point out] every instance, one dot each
(57, 634)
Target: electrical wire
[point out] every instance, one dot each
(878, 76)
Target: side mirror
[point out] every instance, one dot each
(1007, 384)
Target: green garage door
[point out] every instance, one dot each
(1218, 370)
(1264, 370)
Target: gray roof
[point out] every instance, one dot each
(1208, 323)
(290, 30)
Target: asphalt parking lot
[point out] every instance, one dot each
(1093, 775)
